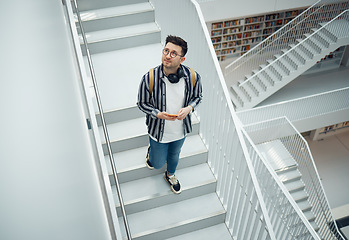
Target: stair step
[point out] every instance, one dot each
(119, 16)
(279, 67)
(319, 41)
(338, 28)
(177, 218)
(154, 191)
(299, 196)
(304, 205)
(131, 134)
(309, 215)
(238, 97)
(120, 115)
(131, 163)
(289, 176)
(219, 232)
(294, 186)
(326, 36)
(311, 46)
(258, 85)
(277, 155)
(122, 37)
(117, 96)
(287, 62)
(295, 57)
(87, 5)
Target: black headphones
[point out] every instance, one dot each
(174, 77)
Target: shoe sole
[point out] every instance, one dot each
(148, 166)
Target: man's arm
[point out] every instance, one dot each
(197, 93)
(144, 97)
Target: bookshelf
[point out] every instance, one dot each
(328, 131)
(233, 37)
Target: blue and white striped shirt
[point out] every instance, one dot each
(152, 104)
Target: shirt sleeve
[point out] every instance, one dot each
(197, 93)
(144, 98)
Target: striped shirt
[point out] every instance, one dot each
(152, 104)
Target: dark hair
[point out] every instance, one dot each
(179, 42)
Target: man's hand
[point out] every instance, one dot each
(183, 112)
(166, 116)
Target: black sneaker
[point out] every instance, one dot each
(174, 183)
(147, 161)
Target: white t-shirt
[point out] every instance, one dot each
(174, 130)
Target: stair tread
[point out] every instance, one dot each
(304, 205)
(309, 215)
(292, 186)
(299, 195)
(135, 158)
(121, 32)
(156, 186)
(289, 175)
(175, 214)
(115, 11)
(276, 154)
(115, 93)
(338, 27)
(130, 128)
(219, 231)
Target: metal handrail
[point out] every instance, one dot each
(104, 126)
(261, 164)
(297, 146)
(297, 45)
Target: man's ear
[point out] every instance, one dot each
(182, 59)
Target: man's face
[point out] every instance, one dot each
(172, 62)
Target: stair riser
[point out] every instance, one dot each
(297, 200)
(138, 141)
(143, 171)
(158, 201)
(118, 21)
(292, 190)
(291, 180)
(85, 5)
(120, 115)
(182, 228)
(122, 43)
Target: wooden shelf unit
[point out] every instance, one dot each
(233, 37)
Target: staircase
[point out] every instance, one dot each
(290, 63)
(286, 168)
(124, 41)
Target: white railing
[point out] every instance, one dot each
(281, 129)
(71, 6)
(299, 109)
(321, 11)
(237, 185)
(282, 208)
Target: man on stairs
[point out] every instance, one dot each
(167, 95)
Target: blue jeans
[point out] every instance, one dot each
(161, 153)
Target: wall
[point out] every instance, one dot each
(225, 9)
(49, 187)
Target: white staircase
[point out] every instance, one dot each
(286, 168)
(289, 64)
(125, 43)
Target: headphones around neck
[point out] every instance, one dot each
(175, 77)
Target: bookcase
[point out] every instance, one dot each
(233, 37)
(328, 131)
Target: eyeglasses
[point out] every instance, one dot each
(173, 54)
